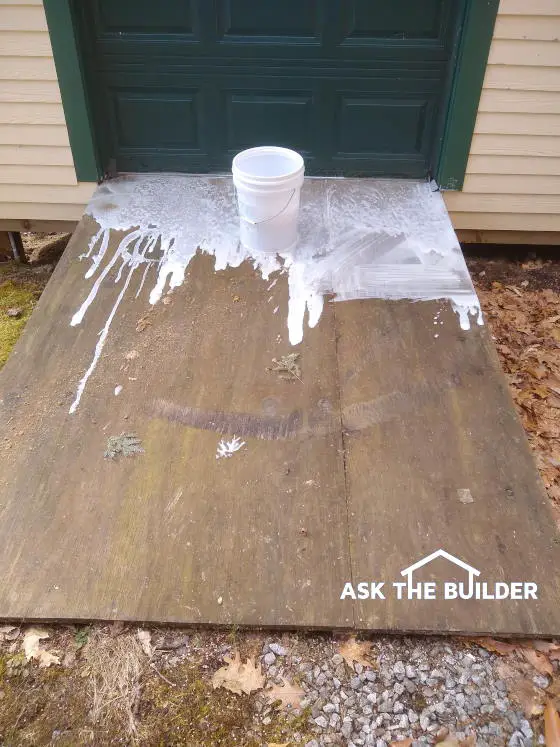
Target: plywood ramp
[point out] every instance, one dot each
(349, 473)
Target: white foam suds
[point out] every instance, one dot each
(359, 238)
(226, 448)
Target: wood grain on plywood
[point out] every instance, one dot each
(175, 534)
(350, 470)
(427, 413)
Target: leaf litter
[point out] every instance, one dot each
(357, 652)
(288, 693)
(33, 650)
(525, 325)
(238, 677)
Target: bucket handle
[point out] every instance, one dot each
(259, 222)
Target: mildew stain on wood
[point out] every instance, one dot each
(268, 427)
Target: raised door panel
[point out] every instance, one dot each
(145, 16)
(369, 125)
(173, 116)
(248, 21)
(267, 118)
(398, 19)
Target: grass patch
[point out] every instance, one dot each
(15, 295)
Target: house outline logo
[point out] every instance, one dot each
(447, 590)
(439, 554)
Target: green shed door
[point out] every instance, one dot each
(357, 86)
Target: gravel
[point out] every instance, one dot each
(417, 688)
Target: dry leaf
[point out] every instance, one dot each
(401, 743)
(145, 638)
(6, 632)
(551, 726)
(288, 693)
(356, 651)
(529, 697)
(497, 647)
(237, 677)
(538, 660)
(31, 641)
(452, 741)
(32, 648)
(45, 659)
(547, 647)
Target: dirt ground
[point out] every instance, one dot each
(114, 684)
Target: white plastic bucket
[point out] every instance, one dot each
(268, 181)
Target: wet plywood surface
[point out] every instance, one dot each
(349, 473)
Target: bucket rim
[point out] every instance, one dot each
(299, 163)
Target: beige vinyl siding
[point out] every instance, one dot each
(513, 173)
(37, 177)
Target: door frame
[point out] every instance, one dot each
(452, 147)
